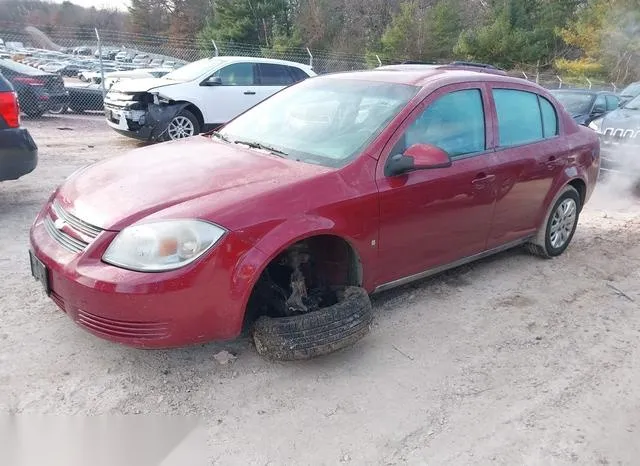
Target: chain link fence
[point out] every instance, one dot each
(88, 61)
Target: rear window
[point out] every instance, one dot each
(524, 117)
(298, 74)
(274, 75)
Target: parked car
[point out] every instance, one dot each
(630, 92)
(287, 217)
(38, 91)
(83, 97)
(619, 133)
(196, 97)
(586, 105)
(18, 150)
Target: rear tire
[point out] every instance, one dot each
(316, 333)
(58, 109)
(559, 227)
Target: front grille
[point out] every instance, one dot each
(74, 222)
(121, 328)
(611, 136)
(74, 234)
(67, 241)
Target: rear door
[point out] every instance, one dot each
(530, 158)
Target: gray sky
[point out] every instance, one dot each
(120, 4)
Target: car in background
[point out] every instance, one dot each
(38, 91)
(141, 60)
(83, 97)
(619, 133)
(196, 97)
(585, 105)
(336, 187)
(630, 92)
(18, 150)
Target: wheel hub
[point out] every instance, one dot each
(563, 223)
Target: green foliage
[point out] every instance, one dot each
(423, 33)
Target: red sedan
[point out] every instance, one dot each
(367, 180)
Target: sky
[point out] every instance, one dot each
(120, 4)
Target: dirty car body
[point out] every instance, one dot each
(368, 179)
(212, 91)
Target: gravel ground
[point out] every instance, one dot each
(510, 360)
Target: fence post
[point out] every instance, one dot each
(588, 81)
(104, 91)
(525, 76)
(215, 48)
(615, 88)
(379, 61)
(538, 72)
(559, 79)
(310, 57)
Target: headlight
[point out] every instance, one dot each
(163, 245)
(596, 125)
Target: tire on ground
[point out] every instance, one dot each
(191, 117)
(541, 244)
(316, 333)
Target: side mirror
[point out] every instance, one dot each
(212, 81)
(417, 157)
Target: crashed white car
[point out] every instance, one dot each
(197, 97)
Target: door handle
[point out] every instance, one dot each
(482, 180)
(249, 93)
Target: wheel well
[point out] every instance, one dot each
(581, 187)
(196, 111)
(323, 263)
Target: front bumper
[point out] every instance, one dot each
(18, 153)
(198, 303)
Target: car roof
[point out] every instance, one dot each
(231, 59)
(422, 75)
(580, 91)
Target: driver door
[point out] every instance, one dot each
(237, 93)
(434, 217)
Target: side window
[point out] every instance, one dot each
(600, 106)
(274, 75)
(519, 119)
(549, 118)
(454, 122)
(612, 102)
(298, 74)
(236, 74)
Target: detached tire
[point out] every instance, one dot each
(559, 227)
(317, 333)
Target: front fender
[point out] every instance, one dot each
(248, 270)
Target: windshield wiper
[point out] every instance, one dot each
(219, 135)
(257, 145)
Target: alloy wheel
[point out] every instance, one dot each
(180, 127)
(563, 223)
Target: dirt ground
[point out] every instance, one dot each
(513, 360)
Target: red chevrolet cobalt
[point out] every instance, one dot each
(297, 210)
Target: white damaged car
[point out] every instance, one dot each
(197, 97)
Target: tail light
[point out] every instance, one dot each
(9, 109)
(28, 80)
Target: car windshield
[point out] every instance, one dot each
(633, 104)
(576, 103)
(325, 121)
(193, 70)
(631, 90)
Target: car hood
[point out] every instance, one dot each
(121, 190)
(622, 118)
(142, 84)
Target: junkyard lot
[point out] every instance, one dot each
(511, 360)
